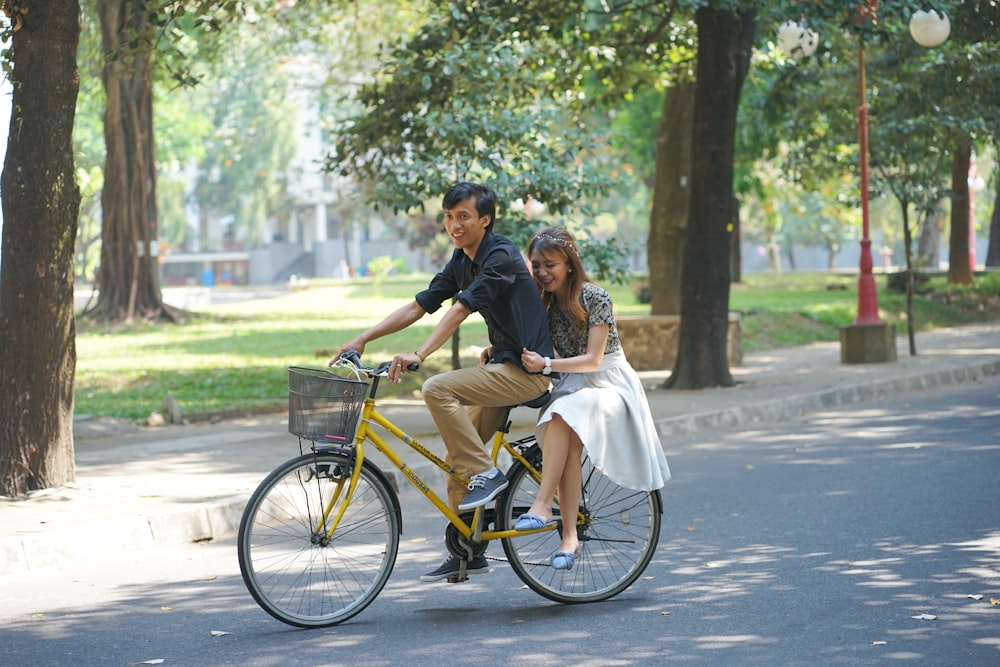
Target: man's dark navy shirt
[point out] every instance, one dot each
(497, 285)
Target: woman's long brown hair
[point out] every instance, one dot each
(556, 242)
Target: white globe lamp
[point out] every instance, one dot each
(929, 29)
(797, 41)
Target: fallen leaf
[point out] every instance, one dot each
(925, 617)
(166, 608)
(665, 613)
(691, 529)
(38, 616)
(994, 601)
(974, 597)
(879, 643)
(219, 633)
(156, 661)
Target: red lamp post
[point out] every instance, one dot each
(867, 293)
(928, 29)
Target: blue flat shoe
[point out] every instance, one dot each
(563, 560)
(531, 522)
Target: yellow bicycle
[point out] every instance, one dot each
(319, 536)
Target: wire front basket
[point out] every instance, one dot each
(322, 406)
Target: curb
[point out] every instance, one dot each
(33, 551)
(787, 408)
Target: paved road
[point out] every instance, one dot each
(815, 541)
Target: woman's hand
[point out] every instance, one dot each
(532, 361)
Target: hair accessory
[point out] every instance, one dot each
(563, 243)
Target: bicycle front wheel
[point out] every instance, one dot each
(619, 529)
(293, 566)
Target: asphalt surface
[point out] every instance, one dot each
(143, 487)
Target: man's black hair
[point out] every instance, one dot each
(486, 199)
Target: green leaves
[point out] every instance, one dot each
(509, 93)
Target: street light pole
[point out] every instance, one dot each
(868, 338)
(867, 293)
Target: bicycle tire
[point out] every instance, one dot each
(291, 570)
(618, 536)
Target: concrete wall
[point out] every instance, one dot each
(650, 341)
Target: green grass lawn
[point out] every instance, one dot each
(235, 355)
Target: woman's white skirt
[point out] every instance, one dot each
(607, 409)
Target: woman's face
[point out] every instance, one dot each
(551, 270)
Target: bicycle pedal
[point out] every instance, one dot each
(454, 579)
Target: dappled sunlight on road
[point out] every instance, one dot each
(874, 530)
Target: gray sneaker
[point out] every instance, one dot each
(450, 569)
(483, 489)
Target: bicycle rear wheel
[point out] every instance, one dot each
(618, 533)
(296, 571)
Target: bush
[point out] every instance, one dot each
(896, 282)
(642, 294)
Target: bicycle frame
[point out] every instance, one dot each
(370, 415)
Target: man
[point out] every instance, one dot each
(486, 274)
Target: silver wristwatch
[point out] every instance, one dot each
(548, 366)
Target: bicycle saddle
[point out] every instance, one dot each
(538, 402)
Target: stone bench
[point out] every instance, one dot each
(650, 341)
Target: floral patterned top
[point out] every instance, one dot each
(570, 338)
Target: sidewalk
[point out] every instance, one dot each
(142, 487)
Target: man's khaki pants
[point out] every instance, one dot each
(467, 406)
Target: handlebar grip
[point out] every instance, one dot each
(413, 367)
(352, 356)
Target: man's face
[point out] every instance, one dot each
(465, 226)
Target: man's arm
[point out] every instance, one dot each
(446, 328)
(396, 321)
(448, 325)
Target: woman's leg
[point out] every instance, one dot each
(554, 452)
(562, 452)
(569, 492)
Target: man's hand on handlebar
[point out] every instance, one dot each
(402, 363)
(350, 355)
(394, 368)
(355, 346)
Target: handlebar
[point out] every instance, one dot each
(382, 370)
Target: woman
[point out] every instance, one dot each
(597, 402)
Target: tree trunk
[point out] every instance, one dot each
(774, 254)
(959, 270)
(993, 249)
(41, 202)
(908, 252)
(671, 191)
(702, 359)
(929, 238)
(735, 251)
(128, 278)
(745, 47)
